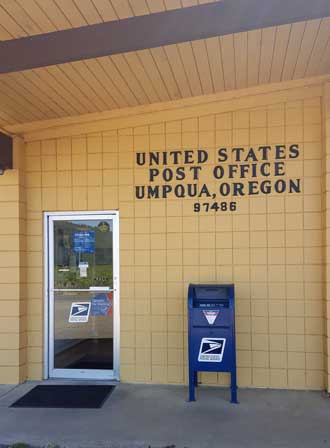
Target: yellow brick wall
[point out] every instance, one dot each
(12, 271)
(326, 226)
(271, 247)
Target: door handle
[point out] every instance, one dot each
(82, 290)
(100, 288)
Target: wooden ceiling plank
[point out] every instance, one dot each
(172, 4)
(228, 58)
(102, 96)
(20, 90)
(187, 3)
(54, 13)
(254, 48)
(307, 44)
(266, 53)
(11, 26)
(155, 76)
(165, 69)
(178, 70)
(189, 61)
(241, 59)
(71, 87)
(20, 16)
(122, 8)
(4, 34)
(65, 96)
(5, 120)
(73, 74)
(142, 76)
(156, 6)
(203, 66)
(10, 89)
(71, 12)
(139, 7)
(105, 10)
(88, 11)
(16, 110)
(254, 97)
(216, 64)
(32, 8)
(324, 66)
(295, 39)
(48, 86)
(104, 80)
(45, 98)
(321, 42)
(49, 107)
(116, 77)
(280, 49)
(129, 76)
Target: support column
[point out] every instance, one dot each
(12, 271)
(326, 226)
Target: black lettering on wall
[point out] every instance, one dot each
(259, 167)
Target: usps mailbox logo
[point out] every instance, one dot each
(79, 312)
(211, 349)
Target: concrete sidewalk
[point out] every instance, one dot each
(159, 416)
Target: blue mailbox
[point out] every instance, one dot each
(211, 333)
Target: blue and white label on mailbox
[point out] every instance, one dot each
(211, 349)
(210, 316)
(84, 242)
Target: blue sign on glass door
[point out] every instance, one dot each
(84, 242)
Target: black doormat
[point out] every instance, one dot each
(65, 396)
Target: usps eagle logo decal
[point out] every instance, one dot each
(211, 349)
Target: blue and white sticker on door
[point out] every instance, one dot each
(102, 305)
(79, 312)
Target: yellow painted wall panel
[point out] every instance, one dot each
(10, 259)
(10, 375)
(12, 358)
(271, 247)
(10, 341)
(34, 371)
(12, 270)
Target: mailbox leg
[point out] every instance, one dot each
(196, 379)
(233, 387)
(192, 374)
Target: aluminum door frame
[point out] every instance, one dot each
(79, 374)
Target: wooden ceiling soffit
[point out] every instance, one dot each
(155, 30)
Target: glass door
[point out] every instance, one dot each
(83, 296)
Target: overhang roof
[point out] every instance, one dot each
(22, 18)
(289, 49)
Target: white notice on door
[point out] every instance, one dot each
(83, 266)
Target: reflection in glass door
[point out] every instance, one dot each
(83, 317)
